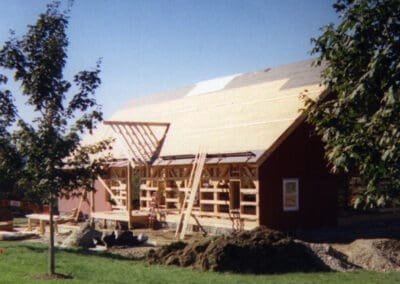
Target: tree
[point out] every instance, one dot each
(54, 161)
(10, 161)
(360, 122)
(10, 166)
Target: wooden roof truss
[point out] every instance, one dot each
(139, 140)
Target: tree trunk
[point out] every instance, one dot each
(51, 263)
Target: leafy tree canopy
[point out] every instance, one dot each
(54, 161)
(10, 160)
(360, 122)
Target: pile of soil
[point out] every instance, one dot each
(374, 254)
(258, 251)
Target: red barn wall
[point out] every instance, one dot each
(299, 156)
(100, 203)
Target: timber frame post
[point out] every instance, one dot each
(92, 206)
(129, 195)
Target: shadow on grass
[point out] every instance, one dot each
(39, 248)
(42, 248)
(104, 254)
(46, 276)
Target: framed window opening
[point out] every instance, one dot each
(290, 194)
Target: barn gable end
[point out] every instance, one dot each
(299, 157)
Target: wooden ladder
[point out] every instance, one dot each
(190, 194)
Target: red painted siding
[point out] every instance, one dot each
(100, 202)
(299, 156)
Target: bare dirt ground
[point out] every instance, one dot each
(373, 254)
(378, 254)
(157, 238)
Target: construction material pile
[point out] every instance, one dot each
(83, 237)
(258, 251)
(87, 237)
(374, 254)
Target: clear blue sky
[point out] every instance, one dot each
(150, 46)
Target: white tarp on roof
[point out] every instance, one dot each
(213, 85)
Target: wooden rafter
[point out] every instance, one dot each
(248, 172)
(138, 139)
(134, 143)
(207, 172)
(149, 133)
(114, 122)
(137, 144)
(144, 141)
(125, 145)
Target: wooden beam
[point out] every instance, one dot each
(248, 172)
(127, 144)
(129, 195)
(92, 206)
(80, 205)
(129, 152)
(144, 147)
(109, 190)
(171, 173)
(116, 122)
(150, 149)
(136, 150)
(225, 174)
(257, 184)
(125, 148)
(149, 133)
(207, 172)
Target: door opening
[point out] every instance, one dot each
(234, 195)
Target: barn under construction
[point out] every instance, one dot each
(229, 153)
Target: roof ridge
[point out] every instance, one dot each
(218, 84)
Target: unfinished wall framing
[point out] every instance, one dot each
(227, 191)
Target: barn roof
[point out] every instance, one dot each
(243, 114)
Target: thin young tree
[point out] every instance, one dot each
(54, 161)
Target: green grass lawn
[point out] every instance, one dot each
(21, 260)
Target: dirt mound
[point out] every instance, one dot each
(374, 254)
(258, 251)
